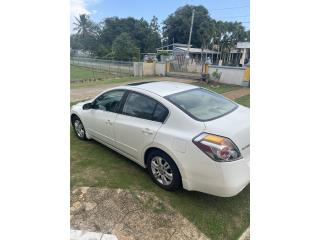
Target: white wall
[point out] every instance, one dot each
(230, 75)
(137, 69)
(160, 69)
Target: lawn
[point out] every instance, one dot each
(245, 100)
(219, 88)
(95, 165)
(82, 73)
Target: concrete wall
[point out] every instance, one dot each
(230, 75)
(160, 69)
(138, 69)
(148, 69)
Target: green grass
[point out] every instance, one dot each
(95, 165)
(245, 100)
(105, 82)
(82, 73)
(220, 88)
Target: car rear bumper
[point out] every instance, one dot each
(222, 179)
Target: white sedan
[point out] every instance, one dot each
(186, 136)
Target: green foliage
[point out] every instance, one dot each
(144, 35)
(177, 25)
(87, 33)
(99, 39)
(124, 47)
(206, 31)
(216, 75)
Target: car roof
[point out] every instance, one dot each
(163, 88)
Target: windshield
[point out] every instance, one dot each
(202, 104)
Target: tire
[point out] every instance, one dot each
(160, 165)
(79, 128)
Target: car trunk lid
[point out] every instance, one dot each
(235, 126)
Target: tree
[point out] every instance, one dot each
(177, 25)
(87, 33)
(124, 48)
(84, 26)
(154, 25)
(153, 40)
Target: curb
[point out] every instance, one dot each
(85, 235)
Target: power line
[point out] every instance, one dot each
(221, 9)
(234, 16)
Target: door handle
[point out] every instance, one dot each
(108, 122)
(147, 131)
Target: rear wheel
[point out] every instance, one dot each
(79, 128)
(163, 170)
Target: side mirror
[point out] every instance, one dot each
(87, 106)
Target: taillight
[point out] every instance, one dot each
(218, 148)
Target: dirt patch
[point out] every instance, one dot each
(78, 94)
(130, 215)
(237, 93)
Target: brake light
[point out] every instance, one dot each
(218, 148)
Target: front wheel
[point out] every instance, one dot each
(79, 128)
(163, 170)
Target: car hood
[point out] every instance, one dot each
(235, 126)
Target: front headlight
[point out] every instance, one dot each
(218, 148)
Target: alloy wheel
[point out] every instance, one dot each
(161, 170)
(79, 128)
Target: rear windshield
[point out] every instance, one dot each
(202, 104)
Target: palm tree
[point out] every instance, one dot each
(83, 25)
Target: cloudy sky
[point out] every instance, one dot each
(226, 10)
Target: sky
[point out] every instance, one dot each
(226, 10)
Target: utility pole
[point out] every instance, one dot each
(190, 30)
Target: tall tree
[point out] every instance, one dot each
(124, 48)
(83, 25)
(153, 40)
(177, 25)
(87, 33)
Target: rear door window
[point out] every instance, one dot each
(141, 106)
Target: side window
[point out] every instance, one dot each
(109, 101)
(140, 106)
(160, 113)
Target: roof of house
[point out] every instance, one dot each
(243, 45)
(195, 50)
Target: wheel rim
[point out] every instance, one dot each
(79, 128)
(161, 170)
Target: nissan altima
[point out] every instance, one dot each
(184, 135)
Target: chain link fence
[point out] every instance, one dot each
(84, 68)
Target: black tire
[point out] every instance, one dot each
(176, 177)
(76, 120)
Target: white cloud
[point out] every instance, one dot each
(78, 7)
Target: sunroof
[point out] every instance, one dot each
(138, 83)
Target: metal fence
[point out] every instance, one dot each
(103, 68)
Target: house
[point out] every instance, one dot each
(244, 48)
(180, 52)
